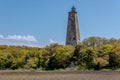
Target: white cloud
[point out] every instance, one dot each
(19, 37)
(1, 36)
(19, 40)
(52, 41)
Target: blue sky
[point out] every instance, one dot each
(45, 21)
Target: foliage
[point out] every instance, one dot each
(89, 58)
(93, 53)
(114, 61)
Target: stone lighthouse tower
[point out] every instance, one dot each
(73, 36)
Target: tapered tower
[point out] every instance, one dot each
(73, 36)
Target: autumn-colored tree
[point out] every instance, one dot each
(93, 53)
(89, 58)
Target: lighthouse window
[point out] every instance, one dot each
(74, 38)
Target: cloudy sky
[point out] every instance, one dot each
(41, 22)
(19, 40)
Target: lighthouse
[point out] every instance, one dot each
(73, 35)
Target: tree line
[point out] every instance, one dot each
(93, 53)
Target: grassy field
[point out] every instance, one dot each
(60, 75)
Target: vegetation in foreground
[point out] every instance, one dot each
(94, 53)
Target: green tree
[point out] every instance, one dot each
(60, 58)
(78, 56)
(89, 58)
(95, 41)
(6, 61)
(103, 54)
(114, 61)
